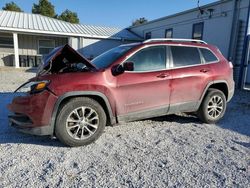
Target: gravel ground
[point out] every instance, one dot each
(173, 151)
(12, 78)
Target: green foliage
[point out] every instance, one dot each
(44, 7)
(12, 7)
(139, 21)
(69, 16)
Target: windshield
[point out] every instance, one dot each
(104, 60)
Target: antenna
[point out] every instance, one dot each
(201, 10)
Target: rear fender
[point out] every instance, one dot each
(208, 86)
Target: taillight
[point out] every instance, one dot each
(231, 65)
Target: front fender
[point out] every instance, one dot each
(81, 94)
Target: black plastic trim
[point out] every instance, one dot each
(160, 111)
(24, 127)
(230, 92)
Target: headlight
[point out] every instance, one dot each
(33, 87)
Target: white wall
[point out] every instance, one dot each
(27, 45)
(217, 29)
(74, 42)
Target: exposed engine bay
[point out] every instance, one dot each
(73, 67)
(63, 60)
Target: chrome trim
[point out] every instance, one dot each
(172, 68)
(171, 60)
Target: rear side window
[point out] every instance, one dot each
(185, 56)
(149, 59)
(208, 55)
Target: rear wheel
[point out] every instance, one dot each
(80, 122)
(213, 106)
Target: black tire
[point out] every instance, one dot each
(80, 133)
(209, 112)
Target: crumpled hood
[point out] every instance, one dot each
(60, 57)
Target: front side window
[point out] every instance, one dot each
(208, 55)
(169, 33)
(149, 59)
(185, 56)
(6, 42)
(46, 46)
(198, 31)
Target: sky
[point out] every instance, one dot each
(115, 13)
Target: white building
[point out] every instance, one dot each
(223, 23)
(24, 38)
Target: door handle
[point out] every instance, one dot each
(163, 75)
(204, 70)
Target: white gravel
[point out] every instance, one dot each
(173, 151)
(11, 78)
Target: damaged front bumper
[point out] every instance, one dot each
(32, 113)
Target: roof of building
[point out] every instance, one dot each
(35, 23)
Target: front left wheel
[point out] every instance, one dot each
(80, 121)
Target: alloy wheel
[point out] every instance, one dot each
(82, 123)
(215, 106)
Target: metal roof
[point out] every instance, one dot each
(35, 23)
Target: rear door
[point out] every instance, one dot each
(189, 78)
(145, 91)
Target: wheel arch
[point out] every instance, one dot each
(97, 96)
(221, 85)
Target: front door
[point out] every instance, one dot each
(145, 91)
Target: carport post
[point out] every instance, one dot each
(16, 53)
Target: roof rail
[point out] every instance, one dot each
(174, 39)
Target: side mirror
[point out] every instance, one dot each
(128, 66)
(119, 69)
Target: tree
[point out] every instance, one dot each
(139, 21)
(12, 7)
(69, 16)
(44, 7)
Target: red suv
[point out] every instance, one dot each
(74, 99)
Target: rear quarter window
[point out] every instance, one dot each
(208, 55)
(185, 56)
